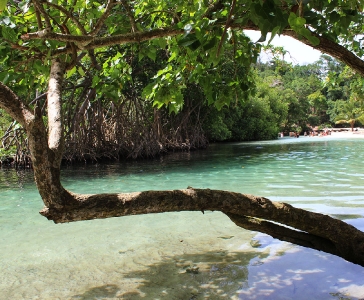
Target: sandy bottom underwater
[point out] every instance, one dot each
(167, 256)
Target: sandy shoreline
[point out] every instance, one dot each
(347, 134)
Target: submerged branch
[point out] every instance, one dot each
(285, 233)
(316, 231)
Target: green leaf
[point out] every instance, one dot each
(210, 44)
(9, 33)
(295, 21)
(3, 4)
(274, 32)
(152, 53)
(71, 72)
(313, 40)
(173, 56)
(148, 91)
(81, 71)
(334, 17)
(162, 43)
(4, 77)
(262, 38)
(95, 81)
(187, 40)
(195, 45)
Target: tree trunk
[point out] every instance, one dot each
(308, 229)
(46, 149)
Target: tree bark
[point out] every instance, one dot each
(335, 50)
(55, 120)
(47, 148)
(308, 229)
(46, 155)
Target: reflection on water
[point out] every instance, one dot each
(186, 255)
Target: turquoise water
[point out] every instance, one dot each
(187, 255)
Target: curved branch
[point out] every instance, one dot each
(335, 50)
(213, 8)
(130, 15)
(321, 231)
(39, 19)
(326, 46)
(285, 234)
(176, 17)
(136, 37)
(88, 42)
(47, 175)
(110, 4)
(228, 20)
(69, 15)
(91, 42)
(40, 8)
(67, 38)
(13, 105)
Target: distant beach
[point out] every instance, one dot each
(341, 133)
(348, 134)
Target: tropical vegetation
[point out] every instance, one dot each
(89, 78)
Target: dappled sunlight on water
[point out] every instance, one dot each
(303, 274)
(187, 255)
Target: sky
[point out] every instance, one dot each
(299, 53)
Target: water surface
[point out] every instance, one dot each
(187, 255)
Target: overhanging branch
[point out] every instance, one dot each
(320, 231)
(284, 233)
(87, 42)
(335, 50)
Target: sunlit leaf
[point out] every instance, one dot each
(3, 4)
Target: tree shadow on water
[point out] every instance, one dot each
(211, 275)
(218, 275)
(107, 291)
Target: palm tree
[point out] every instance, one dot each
(350, 112)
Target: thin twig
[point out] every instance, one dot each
(110, 4)
(228, 20)
(130, 15)
(69, 15)
(40, 8)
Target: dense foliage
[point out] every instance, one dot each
(144, 77)
(65, 63)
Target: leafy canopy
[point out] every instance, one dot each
(90, 37)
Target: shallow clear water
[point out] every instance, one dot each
(187, 255)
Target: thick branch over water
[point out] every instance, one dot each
(319, 231)
(90, 42)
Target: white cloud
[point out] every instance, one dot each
(298, 53)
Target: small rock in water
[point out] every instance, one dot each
(192, 269)
(255, 244)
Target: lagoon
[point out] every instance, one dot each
(187, 255)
